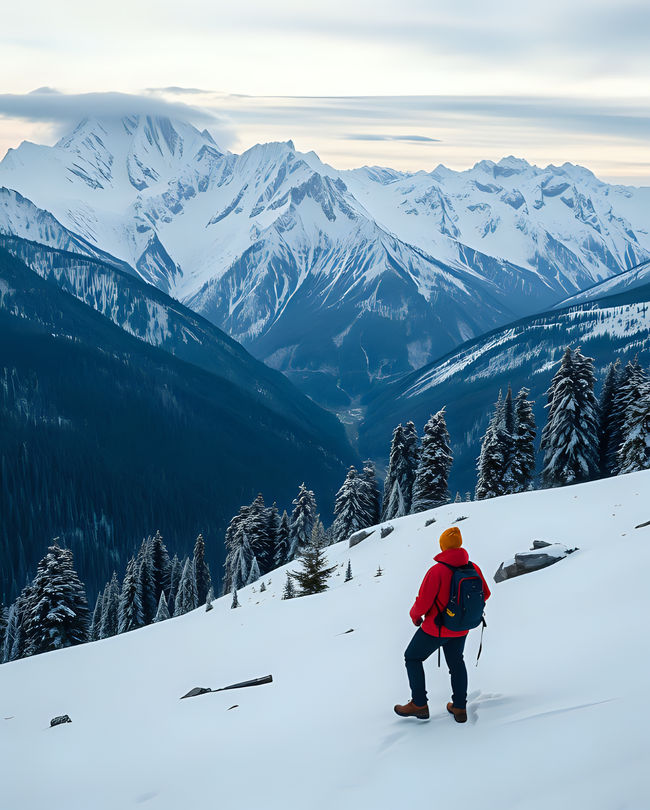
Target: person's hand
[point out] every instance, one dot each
(417, 622)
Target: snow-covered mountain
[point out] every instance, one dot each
(339, 279)
(554, 719)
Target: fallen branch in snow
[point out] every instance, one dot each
(203, 690)
(642, 525)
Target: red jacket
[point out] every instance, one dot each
(434, 592)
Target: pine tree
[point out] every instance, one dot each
(606, 403)
(57, 614)
(161, 566)
(302, 521)
(634, 453)
(96, 623)
(234, 541)
(394, 502)
(186, 598)
(235, 600)
(523, 458)
(351, 507)
(3, 627)
(402, 469)
(281, 554)
(146, 582)
(209, 599)
(494, 464)
(257, 531)
(254, 573)
(411, 463)
(314, 574)
(570, 436)
(162, 613)
(632, 381)
(174, 578)
(129, 614)
(288, 592)
(373, 494)
(13, 621)
(110, 608)
(396, 451)
(348, 572)
(273, 524)
(468, 496)
(431, 488)
(202, 572)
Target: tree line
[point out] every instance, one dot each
(52, 610)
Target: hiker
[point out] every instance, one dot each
(431, 602)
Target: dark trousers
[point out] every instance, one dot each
(420, 648)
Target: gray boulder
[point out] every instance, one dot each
(540, 556)
(355, 539)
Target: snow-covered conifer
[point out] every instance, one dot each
(161, 566)
(351, 507)
(96, 623)
(3, 627)
(110, 608)
(209, 599)
(11, 629)
(431, 488)
(162, 613)
(146, 581)
(57, 615)
(234, 541)
(634, 453)
(281, 554)
(523, 451)
(396, 451)
(570, 436)
(186, 597)
(235, 600)
(495, 461)
(176, 569)
(314, 574)
(606, 403)
(402, 469)
(373, 494)
(201, 571)
(302, 521)
(129, 614)
(273, 523)
(348, 572)
(632, 382)
(254, 572)
(257, 531)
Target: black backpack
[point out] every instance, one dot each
(464, 611)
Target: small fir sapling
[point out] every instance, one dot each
(235, 600)
(348, 572)
(380, 571)
(209, 599)
(288, 592)
(262, 587)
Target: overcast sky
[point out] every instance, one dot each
(407, 84)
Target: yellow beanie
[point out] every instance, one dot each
(451, 538)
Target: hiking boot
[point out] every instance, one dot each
(460, 715)
(411, 710)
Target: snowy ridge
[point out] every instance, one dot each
(544, 702)
(279, 249)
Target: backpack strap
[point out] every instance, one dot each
(452, 568)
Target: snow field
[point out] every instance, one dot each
(557, 715)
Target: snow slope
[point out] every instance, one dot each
(557, 714)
